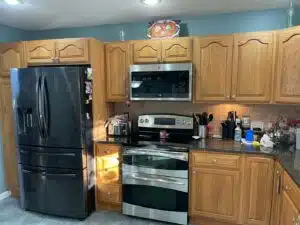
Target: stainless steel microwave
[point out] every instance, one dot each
(161, 82)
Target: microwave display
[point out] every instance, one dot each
(160, 84)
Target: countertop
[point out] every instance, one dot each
(287, 156)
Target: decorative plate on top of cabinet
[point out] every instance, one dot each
(163, 29)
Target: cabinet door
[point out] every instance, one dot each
(11, 56)
(289, 212)
(147, 51)
(213, 61)
(288, 67)
(72, 50)
(258, 190)
(277, 193)
(177, 50)
(117, 67)
(40, 52)
(8, 136)
(253, 61)
(215, 193)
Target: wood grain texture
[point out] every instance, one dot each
(213, 63)
(72, 50)
(253, 64)
(288, 67)
(177, 50)
(148, 51)
(215, 193)
(40, 52)
(117, 71)
(289, 211)
(258, 190)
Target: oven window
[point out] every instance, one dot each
(155, 162)
(160, 84)
(156, 197)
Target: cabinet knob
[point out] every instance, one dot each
(109, 193)
(227, 97)
(233, 96)
(277, 172)
(194, 172)
(287, 188)
(214, 161)
(105, 151)
(52, 58)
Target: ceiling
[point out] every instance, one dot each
(50, 14)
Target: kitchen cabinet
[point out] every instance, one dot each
(277, 193)
(213, 62)
(258, 190)
(253, 67)
(177, 50)
(108, 175)
(64, 51)
(288, 68)
(162, 51)
(11, 56)
(117, 70)
(215, 186)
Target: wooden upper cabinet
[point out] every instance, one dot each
(213, 62)
(40, 52)
(215, 193)
(11, 56)
(289, 212)
(258, 190)
(117, 69)
(148, 51)
(72, 50)
(288, 67)
(177, 50)
(253, 62)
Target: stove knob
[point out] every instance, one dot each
(141, 120)
(146, 121)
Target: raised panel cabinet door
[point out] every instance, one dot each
(213, 61)
(177, 50)
(40, 52)
(253, 67)
(215, 193)
(8, 138)
(11, 56)
(289, 212)
(258, 190)
(72, 50)
(117, 70)
(147, 51)
(288, 67)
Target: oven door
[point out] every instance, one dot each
(166, 198)
(156, 162)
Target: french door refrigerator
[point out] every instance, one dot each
(53, 123)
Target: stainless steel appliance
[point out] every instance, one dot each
(164, 82)
(53, 123)
(158, 168)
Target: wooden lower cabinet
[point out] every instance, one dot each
(215, 193)
(289, 213)
(277, 192)
(109, 188)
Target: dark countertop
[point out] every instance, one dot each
(287, 156)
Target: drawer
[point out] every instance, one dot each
(107, 149)
(109, 193)
(291, 189)
(215, 160)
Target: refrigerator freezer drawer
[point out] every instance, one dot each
(54, 192)
(52, 157)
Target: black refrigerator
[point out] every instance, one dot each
(53, 123)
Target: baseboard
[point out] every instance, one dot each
(5, 195)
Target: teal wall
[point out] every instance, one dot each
(201, 25)
(8, 34)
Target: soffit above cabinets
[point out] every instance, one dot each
(45, 14)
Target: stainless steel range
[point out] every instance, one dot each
(155, 175)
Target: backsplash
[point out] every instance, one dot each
(265, 113)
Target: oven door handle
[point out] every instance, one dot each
(168, 180)
(179, 156)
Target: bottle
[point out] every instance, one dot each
(238, 133)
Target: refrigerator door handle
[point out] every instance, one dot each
(44, 98)
(38, 90)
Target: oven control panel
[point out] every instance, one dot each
(166, 121)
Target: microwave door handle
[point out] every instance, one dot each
(148, 179)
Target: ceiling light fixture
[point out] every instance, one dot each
(150, 2)
(13, 2)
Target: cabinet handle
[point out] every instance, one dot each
(279, 184)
